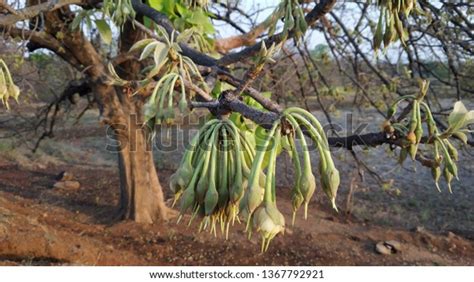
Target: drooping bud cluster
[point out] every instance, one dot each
(329, 174)
(294, 19)
(222, 178)
(444, 153)
(8, 89)
(119, 10)
(390, 25)
(210, 179)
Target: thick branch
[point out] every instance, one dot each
(224, 45)
(199, 58)
(250, 91)
(265, 119)
(161, 19)
(231, 102)
(39, 39)
(33, 11)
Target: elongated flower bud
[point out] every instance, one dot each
(329, 180)
(268, 221)
(453, 152)
(403, 155)
(212, 197)
(254, 189)
(187, 199)
(412, 149)
(436, 173)
(448, 177)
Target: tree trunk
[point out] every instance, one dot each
(141, 195)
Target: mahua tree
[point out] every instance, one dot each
(165, 55)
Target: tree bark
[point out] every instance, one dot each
(141, 195)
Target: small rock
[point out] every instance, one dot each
(69, 185)
(394, 245)
(64, 176)
(452, 248)
(381, 248)
(420, 229)
(451, 236)
(388, 247)
(40, 166)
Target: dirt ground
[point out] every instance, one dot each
(42, 225)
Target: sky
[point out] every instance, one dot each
(266, 7)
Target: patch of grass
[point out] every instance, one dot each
(5, 146)
(425, 215)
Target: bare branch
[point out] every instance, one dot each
(33, 11)
(322, 8)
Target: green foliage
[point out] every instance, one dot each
(193, 19)
(438, 69)
(104, 30)
(90, 16)
(173, 67)
(40, 58)
(184, 17)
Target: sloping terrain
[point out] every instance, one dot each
(42, 225)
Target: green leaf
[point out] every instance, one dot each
(185, 35)
(75, 24)
(104, 30)
(219, 87)
(461, 135)
(200, 19)
(148, 50)
(147, 22)
(160, 55)
(156, 4)
(141, 44)
(254, 104)
(183, 11)
(164, 6)
(460, 117)
(260, 136)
